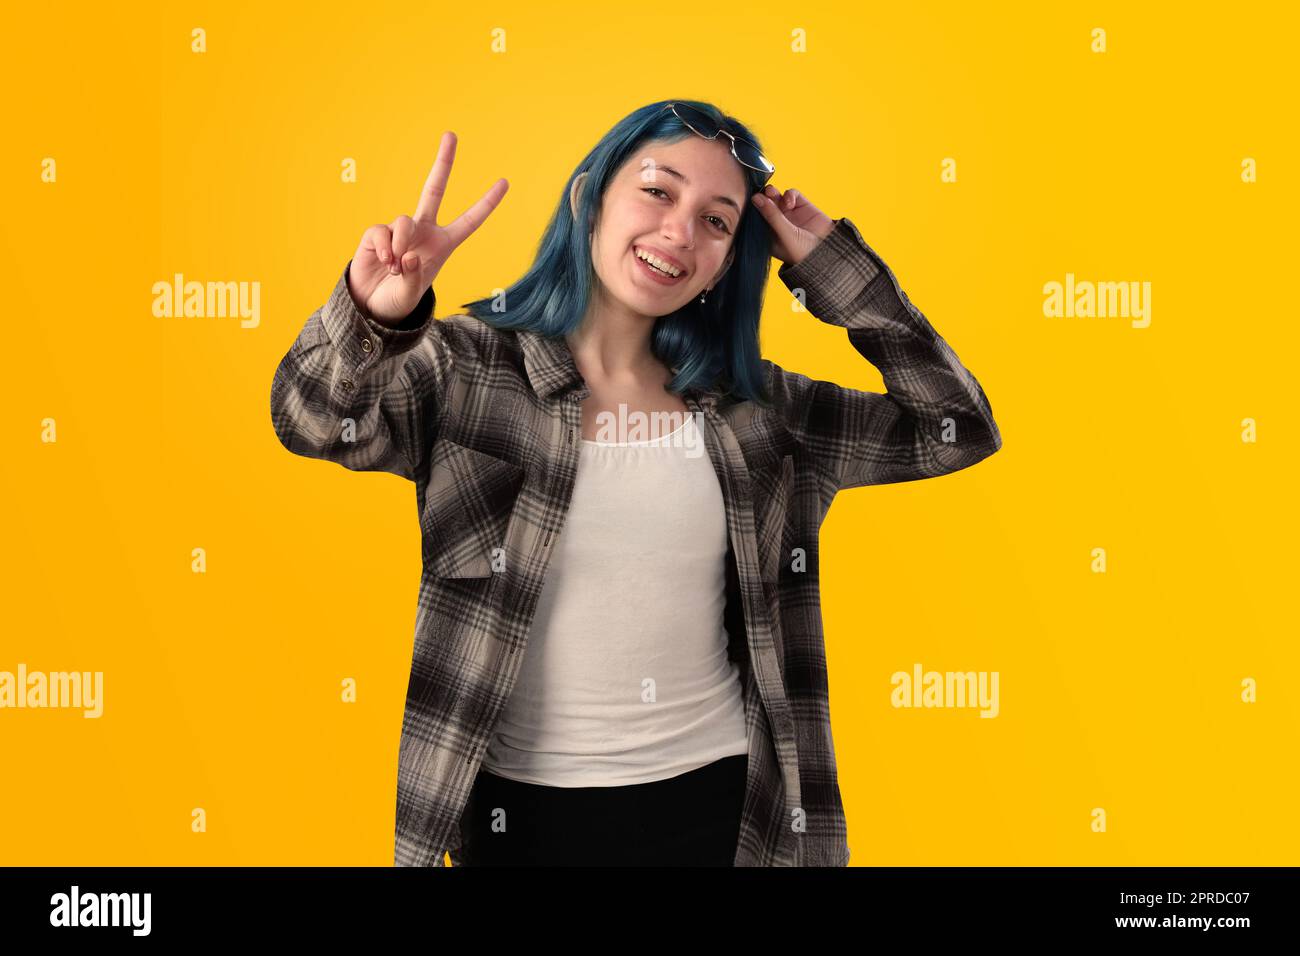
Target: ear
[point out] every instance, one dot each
(575, 191)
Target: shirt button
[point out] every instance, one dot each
(347, 384)
(366, 346)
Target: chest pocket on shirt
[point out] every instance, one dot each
(467, 507)
(771, 486)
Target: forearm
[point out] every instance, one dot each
(934, 418)
(344, 391)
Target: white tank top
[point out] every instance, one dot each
(625, 678)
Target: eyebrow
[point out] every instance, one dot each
(726, 199)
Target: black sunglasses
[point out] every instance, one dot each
(702, 124)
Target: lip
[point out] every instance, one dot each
(659, 253)
(654, 275)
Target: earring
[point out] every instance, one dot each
(702, 295)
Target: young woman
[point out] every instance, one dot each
(618, 653)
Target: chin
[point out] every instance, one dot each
(652, 308)
(657, 310)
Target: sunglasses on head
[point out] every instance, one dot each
(702, 124)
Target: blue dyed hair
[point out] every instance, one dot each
(711, 344)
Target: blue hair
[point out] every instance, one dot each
(714, 344)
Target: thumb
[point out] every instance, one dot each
(413, 281)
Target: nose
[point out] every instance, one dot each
(679, 230)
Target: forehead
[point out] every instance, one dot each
(707, 164)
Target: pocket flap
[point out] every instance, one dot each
(467, 507)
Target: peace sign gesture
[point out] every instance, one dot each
(395, 264)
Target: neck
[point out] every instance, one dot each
(613, 344)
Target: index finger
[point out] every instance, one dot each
(436, 184)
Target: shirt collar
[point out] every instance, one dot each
(551, 369)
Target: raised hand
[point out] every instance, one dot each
(797, 225)
(395, 264)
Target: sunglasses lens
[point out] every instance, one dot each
(748, 154)
(700, 122)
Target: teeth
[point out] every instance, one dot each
(658, 263)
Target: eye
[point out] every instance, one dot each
(721, 225)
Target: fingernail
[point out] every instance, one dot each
(759, 199)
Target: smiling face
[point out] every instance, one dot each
(679, 204)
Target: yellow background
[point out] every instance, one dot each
(1119, 691)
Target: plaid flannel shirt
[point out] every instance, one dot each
(486, 423)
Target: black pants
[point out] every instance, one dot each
(692, 819)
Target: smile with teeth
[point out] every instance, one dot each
(663, 268)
